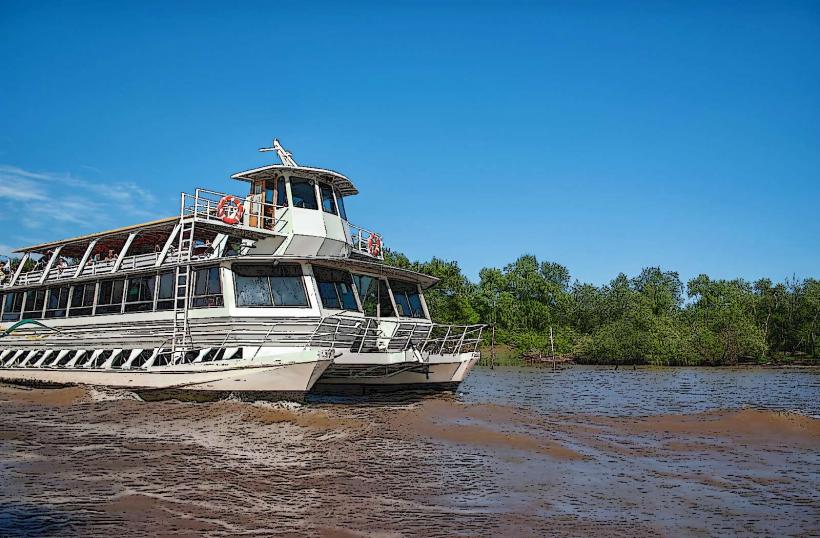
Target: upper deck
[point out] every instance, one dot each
(289, 211)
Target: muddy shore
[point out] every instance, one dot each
(79, 461)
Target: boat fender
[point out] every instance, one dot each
(224, 213)
(374, 245)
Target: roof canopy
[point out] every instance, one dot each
(342, 183)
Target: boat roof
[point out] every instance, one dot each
(341, 182)
(379, 268)
(161, 225)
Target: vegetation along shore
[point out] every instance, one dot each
(650, 318)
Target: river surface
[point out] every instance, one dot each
(516, 452)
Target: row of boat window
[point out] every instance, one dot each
(255, 285)
(303, 194)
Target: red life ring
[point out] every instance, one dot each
(374, 245)
(227, 216)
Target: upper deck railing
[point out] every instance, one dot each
(258, 219)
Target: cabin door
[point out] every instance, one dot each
(255, 204)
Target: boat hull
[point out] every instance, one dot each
(292, 380)
(364, 373)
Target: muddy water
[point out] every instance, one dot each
(517, 452)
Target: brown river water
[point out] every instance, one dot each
(516, 452)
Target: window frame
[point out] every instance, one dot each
(93, 304)
(22, 303)
(64, 309)
(322, 188)
(97, 303)
(273, 304)
(193, 296)
(312, 184)
(406, 296)
(353, 289)
(389, 296)
(151, 303)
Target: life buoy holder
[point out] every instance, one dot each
(230, 210)
(374, 245)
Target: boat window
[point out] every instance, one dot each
(35, 301)
(165, 291)
(57, 303)
(328, 203)
(12, 306)
(82, 300)
(303, 193)
(270, 285)
(408, 301)
(374, 296)
(340, 201)
(281, 193)
(207, 288)
(335, 288)
(109, 297)
(139, 295)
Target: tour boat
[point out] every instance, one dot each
(268, 295)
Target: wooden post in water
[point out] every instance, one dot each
(492, 350)
(552, 349)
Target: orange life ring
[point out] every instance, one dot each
(230, 217)
(374, 245)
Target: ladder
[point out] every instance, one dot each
(181, 337)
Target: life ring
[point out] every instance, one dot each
(374, 245)
(227, 215)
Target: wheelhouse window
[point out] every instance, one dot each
(335, 288)
(139, 295)
(82, 300)
(408, 299)
(165, 291)
(374, 295)
(35, 301)
(328, 202)
(207, 288)
(57, 302)
(109, 297)
(269, 285)
(12, 306)
(275, 193)
(303, 194)
(341, 203)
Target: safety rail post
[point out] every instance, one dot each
(444, 340)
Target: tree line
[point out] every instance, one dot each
(650, 318)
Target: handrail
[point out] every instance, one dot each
(360, 237)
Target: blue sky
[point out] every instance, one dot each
(605, 136)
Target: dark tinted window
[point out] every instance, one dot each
(406, 295)
(335, 288)
(57, 303)
(165, 293)
(374, 296)
(270, 285)
(35, 301)
(281, 193)
(341, 202)
(139, 295)
(207, 288)
(303, 193)
(328, 203)
(109, 297)
(12, 306)
(82, 300)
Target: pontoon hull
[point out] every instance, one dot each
(290, 380)
(436, 373)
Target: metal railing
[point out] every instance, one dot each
(366, 242)
(424, 337)
(203, 205)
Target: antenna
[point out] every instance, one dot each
(285, 156)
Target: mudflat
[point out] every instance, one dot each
(572, 453)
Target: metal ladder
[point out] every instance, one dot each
(181, 338)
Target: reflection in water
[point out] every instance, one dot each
(519, 452)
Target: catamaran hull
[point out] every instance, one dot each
(436, 373)
(291, 381)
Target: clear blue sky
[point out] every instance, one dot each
(605, 136)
